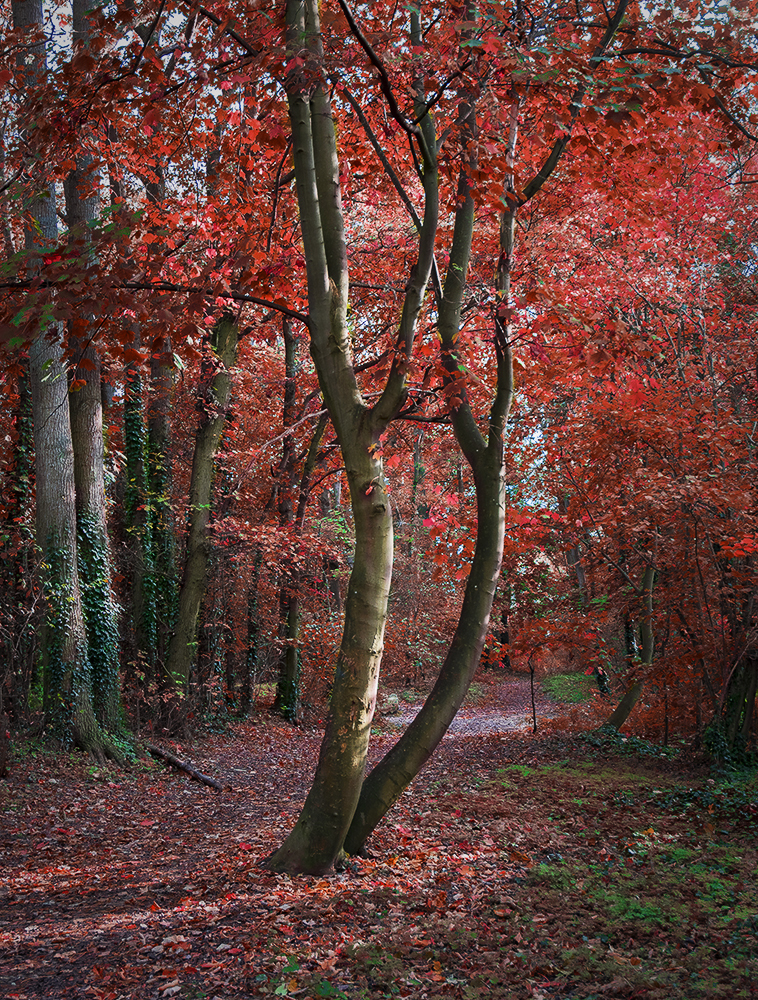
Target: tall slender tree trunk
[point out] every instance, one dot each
(292, 517)
(67, 677)
(287, 688)
(86, 413)
(141, 624)
(250, 669)
(159, 475)
(316, 841)
(214, 408)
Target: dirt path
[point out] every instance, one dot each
(507, 709)
(143, 885)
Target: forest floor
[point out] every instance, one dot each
(552, 865)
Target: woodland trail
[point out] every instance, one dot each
(508, 709)
(494, 875)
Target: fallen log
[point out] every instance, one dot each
(168, 758)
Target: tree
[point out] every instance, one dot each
(213, 404)
(86, 415)
(67, 671)
(317, 837)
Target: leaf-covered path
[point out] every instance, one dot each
(516, 866)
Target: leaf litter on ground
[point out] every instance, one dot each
(517, 865)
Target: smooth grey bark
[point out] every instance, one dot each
(316, 841)
(86, 414)
(67, 678)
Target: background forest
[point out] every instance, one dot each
(283, 302)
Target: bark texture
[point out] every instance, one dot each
(67, 681)
(214, 408)
(316, 841)
(86, 414)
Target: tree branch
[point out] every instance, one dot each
(411, 128)
(547, 168)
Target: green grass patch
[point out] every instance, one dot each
(572, 689)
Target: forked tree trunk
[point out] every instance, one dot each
(316, 841)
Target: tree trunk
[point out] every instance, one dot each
(250, 671)
(162, 527)
(288, 687)
(92, 540)
(647, 643)
(67, 679)
(386, 783)
(397, 769)
(287, 701)
(214, 407)
(18, 620)
(316, 841)
(624, 708)
(140, 622)
(86, 414)
(64, 644)
(739, 703)
(288, 684)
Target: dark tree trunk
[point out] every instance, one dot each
(163, 529)
(214, 406)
